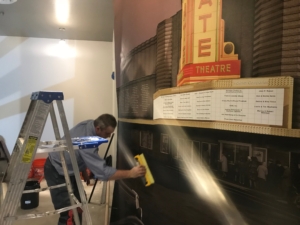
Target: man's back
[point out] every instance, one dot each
(85, 128)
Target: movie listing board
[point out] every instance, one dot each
(258, 106)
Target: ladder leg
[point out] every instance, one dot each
(17, 148)
(74, 162)
(30, 134)
(54, 123)
(64, 165)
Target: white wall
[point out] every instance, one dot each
(34, 64)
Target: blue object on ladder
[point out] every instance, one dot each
(88, 142)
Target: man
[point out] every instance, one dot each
(224, 164)
(103, 127)
(262, 172)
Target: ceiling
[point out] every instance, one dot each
(86, 20)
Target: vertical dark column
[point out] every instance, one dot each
(276, 44)
(239, 29)
(290, 63)
(247, 31)
(176, 46)
(267, 51)
(164, 55)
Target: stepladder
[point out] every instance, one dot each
(29, 143)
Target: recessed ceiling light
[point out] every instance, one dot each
(7, 1)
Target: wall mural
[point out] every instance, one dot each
(207, 170)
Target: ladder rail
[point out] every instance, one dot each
(74, 162)
(24, 159)
(44, 189)
(63, 161)
(18, 148)
(39, 215)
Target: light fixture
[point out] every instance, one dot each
(62, 10)
(7, 1)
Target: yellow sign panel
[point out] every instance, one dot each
(206, 19)
(203, 55)
(29, 150)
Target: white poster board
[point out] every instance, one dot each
(256, 106)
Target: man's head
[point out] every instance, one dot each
(105, 125)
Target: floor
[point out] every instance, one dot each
(99, 212)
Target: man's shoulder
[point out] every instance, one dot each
(83, 125)
(82, 129)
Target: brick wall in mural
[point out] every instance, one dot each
(276, 44)
(160, 55)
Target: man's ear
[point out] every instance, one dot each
(97, 129)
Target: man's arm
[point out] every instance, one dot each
(137, 171)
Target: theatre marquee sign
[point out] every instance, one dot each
(204, 53)
(263, 101)
(257, 106)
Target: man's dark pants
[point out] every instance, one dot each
(60, 196)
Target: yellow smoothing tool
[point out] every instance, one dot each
(148, 176)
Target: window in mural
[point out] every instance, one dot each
(189, 150)
(179, 149)
(210, 154)
(242, 152)
(228, 150)
(279, 157)
(165, 143)
(134, 137)
(233, 156)
(183, 150)
(196, 155)
(146, 139)
(235, 152)
(260, 154)
(214, 156)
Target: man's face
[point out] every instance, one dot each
(104, 133)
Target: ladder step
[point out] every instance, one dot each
(44, 189)
(39, 215)
(56, 142)
(43, 149)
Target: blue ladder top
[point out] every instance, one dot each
(47, 96)
(88, 142)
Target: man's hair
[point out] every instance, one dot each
(105, 120)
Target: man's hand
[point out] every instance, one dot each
(137, 171)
